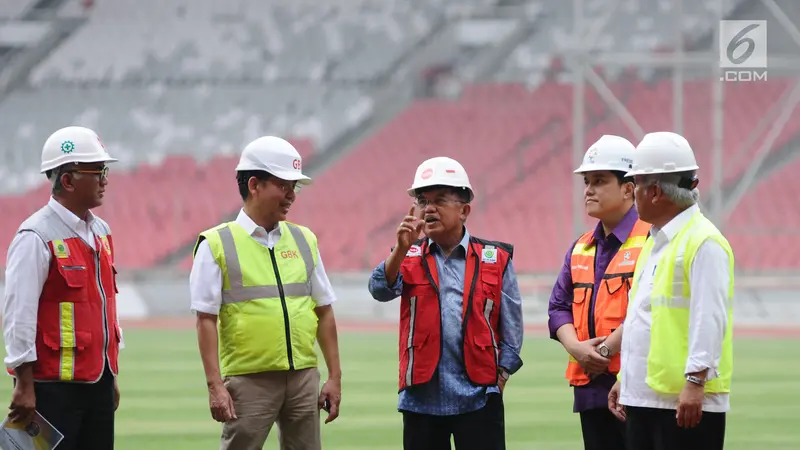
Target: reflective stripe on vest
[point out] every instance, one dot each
(266, 298)
(67, 329)
(241, 293)
(611, 300)
(669, 332)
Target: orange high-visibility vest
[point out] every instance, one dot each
(611, 303)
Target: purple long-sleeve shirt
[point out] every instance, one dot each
(595, 394)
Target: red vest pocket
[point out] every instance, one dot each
(78, 339)
(491, 280)
(481, 359)
(114, 270)
(76, 276)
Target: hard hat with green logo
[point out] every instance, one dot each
(71, 145)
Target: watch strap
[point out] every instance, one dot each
(695, 380)
(503, 373)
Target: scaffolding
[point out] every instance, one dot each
(582, 59)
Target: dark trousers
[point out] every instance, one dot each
(82, 412)
(657, 429)
(483, 429)
(601, 430)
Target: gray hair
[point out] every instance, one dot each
(668, 182)
(54, 175)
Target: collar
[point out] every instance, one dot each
(671, 229)
(463, 244)
(623, 229)
(252, 228)
(69, 218)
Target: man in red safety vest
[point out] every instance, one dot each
(60, 323)
(460, 317)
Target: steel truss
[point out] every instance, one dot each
(582, 59)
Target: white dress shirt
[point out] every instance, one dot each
(27, 268)
(708, 318)
(205, 279)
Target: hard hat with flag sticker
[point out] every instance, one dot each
(275, 156)
(608, 153)
(441, 171)
(72, 145)
(663, 152)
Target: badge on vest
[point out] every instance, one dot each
(626, 260)
(489, 255)
(107, 247)
(61, 249)
(414, 250)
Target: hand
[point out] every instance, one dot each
(116, 394)
(501, 384)
(332, 392)
(586, 354)
(23, 404)
(221, 403)
(690, 405)
(409, 229)
(614, 406)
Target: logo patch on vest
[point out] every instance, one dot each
(289, 254)
(626, 260)
(104, 240)
(61, 249)
(489, 255)
(414, 250)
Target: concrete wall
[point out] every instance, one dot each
(756, 303)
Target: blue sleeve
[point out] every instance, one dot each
(379, 288)
(511, 326)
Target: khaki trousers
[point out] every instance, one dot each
(261, 399)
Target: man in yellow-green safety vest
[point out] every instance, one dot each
(262, 280)
(676, 369)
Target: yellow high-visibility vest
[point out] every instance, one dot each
(267, 320)
(670, 298)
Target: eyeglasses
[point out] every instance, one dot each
(437, 202)
(103, 172)
(287, 186)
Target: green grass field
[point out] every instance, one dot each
(164, 403)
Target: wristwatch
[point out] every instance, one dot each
(604, 351)
(503, 373)
(695, 380)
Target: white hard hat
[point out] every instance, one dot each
(441, 171)
(73, 145)
(608, 153)
(662, 152)
(275, 156)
